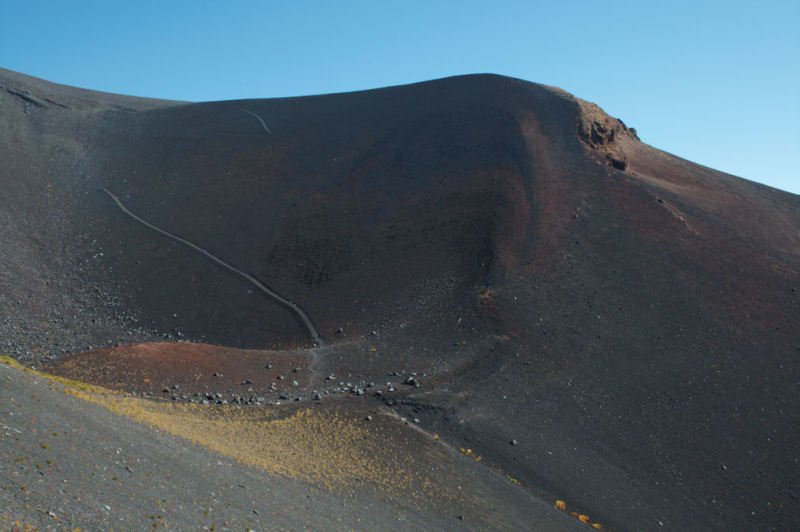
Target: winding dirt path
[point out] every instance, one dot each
(312, 331)
(264, 124)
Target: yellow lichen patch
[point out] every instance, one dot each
(468, 452)
(329, 445)
(11, 362)
(513, 480)
(325, 446)
(90, 388)
(583, 518)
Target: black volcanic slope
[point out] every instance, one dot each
(628, 317)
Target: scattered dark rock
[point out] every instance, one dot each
(618, 162)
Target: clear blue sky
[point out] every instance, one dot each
(717, 82)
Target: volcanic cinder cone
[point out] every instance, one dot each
(627, 318)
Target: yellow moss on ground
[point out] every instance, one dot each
(583, 518)
(90, 388)
(329, 447)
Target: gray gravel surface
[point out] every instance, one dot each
(66, 463)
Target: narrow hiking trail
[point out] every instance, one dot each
(300, 313)
(263, 124)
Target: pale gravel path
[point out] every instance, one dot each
(264, 124)
(312, 330)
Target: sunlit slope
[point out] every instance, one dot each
(310, 463)
(626, 316)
